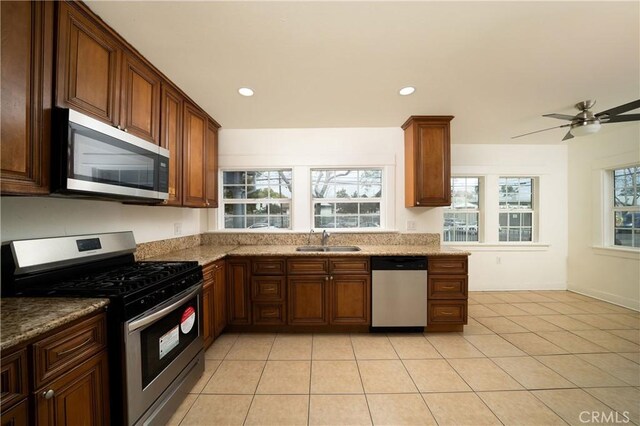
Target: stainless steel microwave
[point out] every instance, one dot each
(94, 159)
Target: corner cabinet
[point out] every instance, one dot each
(27, 56)
(214, 301)
(427, 147)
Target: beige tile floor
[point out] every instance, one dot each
(526, 358)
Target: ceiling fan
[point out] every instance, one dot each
(586, 122)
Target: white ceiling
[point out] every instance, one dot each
(495, 66)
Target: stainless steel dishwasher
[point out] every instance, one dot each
(399, 291)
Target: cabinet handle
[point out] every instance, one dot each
(447, 313)
(448, 287)
(326, 278)
(87, 341)
(48, 394)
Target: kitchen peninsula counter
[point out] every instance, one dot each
(23, 318)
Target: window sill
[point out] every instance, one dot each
(499, 246)
(626, 253)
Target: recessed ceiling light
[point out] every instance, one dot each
(407, 90)
(245, 91)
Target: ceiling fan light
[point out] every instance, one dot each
(585, 128)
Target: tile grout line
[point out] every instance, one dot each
(364, 391)
(313, 337)
(253, 397)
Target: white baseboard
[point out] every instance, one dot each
(625, 302)
(510, 287)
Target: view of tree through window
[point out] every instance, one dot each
(346, 198)
(461, 219)
(626, 206)
(257, 199)
(516, 208)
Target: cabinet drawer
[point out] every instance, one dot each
(267, 267)
(447, 265)
(16, 416)
(355, 265)
(447, 287)
(61, 351)
(268, 288)
(13, 378)
(269, 313)
(447, 312)
(307, 266)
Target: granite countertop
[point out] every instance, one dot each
(22, 318)
(207, 254)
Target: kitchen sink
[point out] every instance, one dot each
(327, 249)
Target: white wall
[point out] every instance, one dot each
(33, 217)
(594, 269)
(539, 266)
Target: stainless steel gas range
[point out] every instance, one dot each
(154, 317)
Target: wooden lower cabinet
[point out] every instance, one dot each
(68, 381)
(79, 397)
(17, 415)
(350, 299)
(238, 292)
(447, 292)
(308, 300)
(219, 298)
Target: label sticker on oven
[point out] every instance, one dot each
(188, 319)
(169, 341)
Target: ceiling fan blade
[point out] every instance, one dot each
(538, 131)
(560, 116)
(621, 118)
(568, 136)
(620, 109)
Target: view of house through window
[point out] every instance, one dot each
(346, 198)
(257, 199)
(462, 218)
(516, 208)
(626, 206)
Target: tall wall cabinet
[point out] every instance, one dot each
(427, 161)
(99, 74)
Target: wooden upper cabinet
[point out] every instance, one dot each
(140, 100)
(211, 165)
(171, 139)
(427, 161)
(88, 71)
(27, 55)
(194, 151)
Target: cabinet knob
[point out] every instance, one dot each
(48, 394)
(126, 130)
(418, 202)
(165, 201)
(331, 277)
(326, 278)
(118, 127)
(207, 203)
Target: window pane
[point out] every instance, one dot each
(514, 234)
(346, 191)
(623, 237)
(234, 192)
(233, 178)
(502, 234)
(372, 221)
(234, 222)
(325, 221)
(259, 208)
(526, 234)
(347, 208)
(234, 209)
(369, 208)
(526, 219)
(636, 238)
(514, 219)
(504, 218)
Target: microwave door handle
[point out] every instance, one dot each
(148, 319)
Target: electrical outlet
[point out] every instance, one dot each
(411, 225)
(177, 228)
(498, 260)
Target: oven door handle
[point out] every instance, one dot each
(148, 319)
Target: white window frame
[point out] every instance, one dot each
(381, 200)
(610, 225)
(245, 201)
(533, 210)
(479, 210)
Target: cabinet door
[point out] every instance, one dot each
(26, 57)
(194, 141)
(140, 100)
(220, 298)
(80, 397)
(238, 281)
(13, 378)
(16, 416)
(427, 162)
(171, 139)
(87, 66)
(308, 300)
(350, 299)
(208, 312)
(211, 165)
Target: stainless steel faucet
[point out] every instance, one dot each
(325, 237)
(309, 239)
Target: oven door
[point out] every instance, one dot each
(159, 345)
